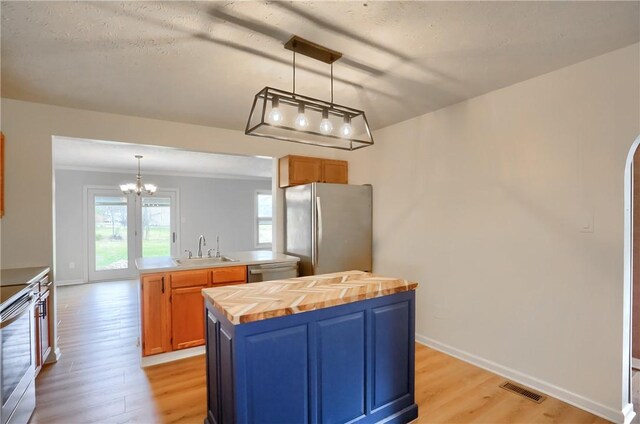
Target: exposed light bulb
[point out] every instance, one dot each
(275, 116)
(325, 125)
(301, 120)
(150, 188)
(345, 129)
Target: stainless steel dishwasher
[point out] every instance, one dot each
(268, 272)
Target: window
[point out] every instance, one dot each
(264, 224)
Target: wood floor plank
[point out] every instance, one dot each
(99, 379)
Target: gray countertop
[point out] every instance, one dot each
(252, 257)
(16, 282)
(19, 276)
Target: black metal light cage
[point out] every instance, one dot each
(315, 110)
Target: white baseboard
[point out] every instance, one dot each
(619, 416)
(69, 282)
(60, 283)
(162, 358)
(628, 413)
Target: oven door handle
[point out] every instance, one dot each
(272, 269)
(17, 311)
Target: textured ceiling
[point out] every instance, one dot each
(93, 155)
(202, 62)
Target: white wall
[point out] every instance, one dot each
(485, 203)
(208, 206)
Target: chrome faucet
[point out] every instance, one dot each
(217, 254)
(201, 242)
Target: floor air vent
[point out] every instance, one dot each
(526, 393)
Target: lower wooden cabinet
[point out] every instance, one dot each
(42, 322)
(43, 327)
(230, 274)
(187, 317)
(155, 314)
(173, 312)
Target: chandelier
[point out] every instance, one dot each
(288, 116)
(137, 187)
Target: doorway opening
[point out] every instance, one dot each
(631, 288)
(100, 230)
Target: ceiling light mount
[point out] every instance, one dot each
(289, 116)
(307, 48)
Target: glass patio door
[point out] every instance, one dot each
(111, 249)
(122, 228)
(156, 233)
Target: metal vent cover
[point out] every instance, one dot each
(526, 393)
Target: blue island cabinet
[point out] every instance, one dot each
(352, 363)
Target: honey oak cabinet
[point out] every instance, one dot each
(335, 171)
(228, 275)
(155, 314)
(187, 317)
(192, 278)
(296, 170)
(187, 307)
(173, 312)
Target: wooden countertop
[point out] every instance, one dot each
(255, 302)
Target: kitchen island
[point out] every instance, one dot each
(325, 348)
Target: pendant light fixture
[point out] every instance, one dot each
(290, 116)
(137, 187)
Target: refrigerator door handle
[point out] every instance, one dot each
(319, 225)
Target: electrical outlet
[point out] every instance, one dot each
(586, 223)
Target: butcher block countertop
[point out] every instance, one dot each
(255, 302)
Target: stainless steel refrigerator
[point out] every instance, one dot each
(329, 227)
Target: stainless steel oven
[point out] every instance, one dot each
(17, 353)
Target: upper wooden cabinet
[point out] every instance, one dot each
(335, 171)
(296, 170)
(155, 314)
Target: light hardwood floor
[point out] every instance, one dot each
(98, 378)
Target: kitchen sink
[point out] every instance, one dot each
(204, 261)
